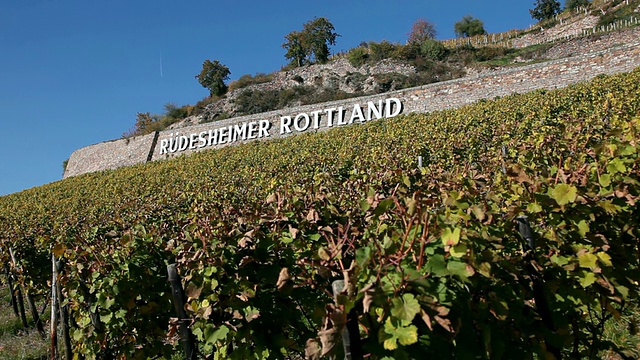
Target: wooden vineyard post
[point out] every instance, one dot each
(64, 316)
(18, 293)
(14, 303)
(30, 301)
(542, 304)
(36, 316)
(186, 337)
(54, 308)
(350, 333)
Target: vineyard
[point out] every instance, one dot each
(504, 229)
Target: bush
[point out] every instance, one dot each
(199, 107)
(248, 80)
(173, 111)
(433, 49)
(256, 101)
(487, 53)
(358, 56)
(410, 51)
(382, 50)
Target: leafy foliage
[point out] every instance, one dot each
(431, 258)
(574, 4)
(545, 9)
(248, 80)
(468, 26)
(147, 123)
(213, 76)
(311, 44)
(422, 30)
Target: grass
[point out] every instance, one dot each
(624, 332)
(16, 342)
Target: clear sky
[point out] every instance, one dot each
(75, 72)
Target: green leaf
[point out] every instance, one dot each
(459, 268)
(485, 269)
(458, 251)
(605, 259)
(364, 205)
(437, 265)
(616, 166)
(588, 260)
(559, 260)
(405, 308)
(451, 237)
(587, 278)
(479, 213)
(563, 193)
(405, 335)
(106, 318)
(623, 290)
(383, 206)
(363, 255)
(323, 254)
(609, 207)
(534, 208)
(583, 227)
(212, 336)
(605, 180)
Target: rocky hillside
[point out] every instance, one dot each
(567, 36)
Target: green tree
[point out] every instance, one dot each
(421, 30)
(213, 77)
(320, 33)
(297, 51)
(545, 9)
(572, 4)
(468, 26)
(311, 44)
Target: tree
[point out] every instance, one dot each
(421, 30)
(545, 9)
(296, 50)
(311, 44)
(213, 77)
(145, 124)
(468, 26)
(573, 4)
(320, 33)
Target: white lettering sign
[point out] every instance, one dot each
(297, 123)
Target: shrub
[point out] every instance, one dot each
(248, 80)
(409, 51)
(256, 101)
(358, 56)
(487, 53)
(382, 50)
(433, 49)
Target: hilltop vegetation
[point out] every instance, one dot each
(422, 60)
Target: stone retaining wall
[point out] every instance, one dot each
(558, 73)
(110, 155)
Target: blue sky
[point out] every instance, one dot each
(75, 72)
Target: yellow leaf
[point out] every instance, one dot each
(451, 237)
(588, 260)
(604, 258)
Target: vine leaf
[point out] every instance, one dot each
(451, 237)
(563, 194)
(405, 308)
(394, 333)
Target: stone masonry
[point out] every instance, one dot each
(621, 54)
